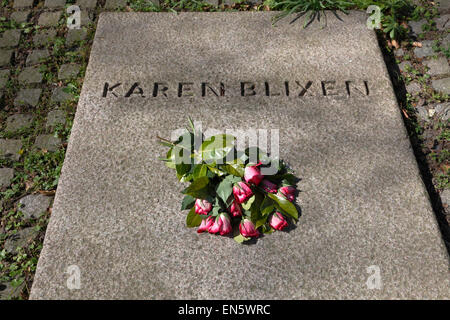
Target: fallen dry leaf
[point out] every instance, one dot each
(417, 44)
(47, 192)
(395, 44)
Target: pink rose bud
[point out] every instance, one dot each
(235, 209)
(269, 186)
(253, 175)
(221, 224)
(215, 227)
(288, 192)
(247, 229)
(242, 192)
(277, 221)
(206, 224)
(202, 206)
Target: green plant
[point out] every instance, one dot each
(311, 8)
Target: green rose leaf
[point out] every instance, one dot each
(216, 147)
(240, 238)
(198, 188)
(284, 205)
(187, 203)
(193, 219)
(267, 206)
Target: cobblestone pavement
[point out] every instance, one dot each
(42, 65)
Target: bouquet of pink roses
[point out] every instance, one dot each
(228, 193)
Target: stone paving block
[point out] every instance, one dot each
(20, 240)
(54, 3)
(75, 35)
(47, 142)
(87, 18)
(441, 85)
(20, 16)
(6, 175)
(9, 292)
(44, 37)
(37, 56)
(30, 75)
(426, 50)
(115, 4)
(443, 5)
(416, 26)
(443, 22)
(443, 111)
(86, 4)
(18, 121)
(49, 19)
(10, 38)
(413, 88)
(4, 77)
(18, 4)
(68, 71)
(34, 206)
(55, 117)
(59, 95)
(9, 149)
(117, 208)
(437, 66)
(28, 97)
(404, 66)
(6, 57)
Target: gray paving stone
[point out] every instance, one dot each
(416, 26)
(4, 77)
(399, 52)
(44, 37)
(214, 3)
(445, 196)
(9, 149)
(117, 208)
(18, 121)
(437, 66)
(443, 111)
(443, 22)
(443, 5)
(37, 56)
(75, 35)
(86, 4)
(59, 95)
(34, 206)
(413, 88)
(28, 97)
(20, 16)
(441, 85)
(20, 240)
(55, 117)
(115, 4)
(6, 175)
(426, 50)
(47, 142)
(49, 19)
(54, 3)
(10, 38)
(9, 292)
(87, 17)
(6, 57)
(18, 4)
(30, 75)
(404, 66)
(422, 113)
(68, 71)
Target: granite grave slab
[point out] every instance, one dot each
(116, 216)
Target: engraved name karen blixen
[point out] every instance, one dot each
(293, 88)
